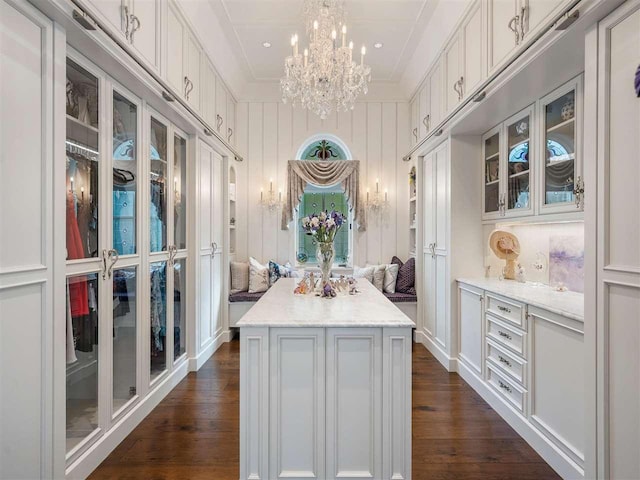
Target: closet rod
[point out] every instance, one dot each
(478, 97)
(166, 89)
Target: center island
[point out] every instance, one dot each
(325, 386)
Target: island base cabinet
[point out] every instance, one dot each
(325, 403)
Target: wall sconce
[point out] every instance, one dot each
(377, 202)
(270, 200)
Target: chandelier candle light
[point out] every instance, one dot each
(324, 77)
(270, 201)
(376, 202)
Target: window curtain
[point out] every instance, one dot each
(324, 174)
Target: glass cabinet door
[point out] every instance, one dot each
(491, 153)
(518, 166)
(559, 114)
(179, 308)
(125, 173)
(158, 194)
(158, 318)
(179, 192)
(82, 358)
(83, 162)
(124, 338)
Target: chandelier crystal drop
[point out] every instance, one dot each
(324, 77)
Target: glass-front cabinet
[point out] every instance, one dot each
(507, 174)
(561, 186)
(531, 161)
(124, 236)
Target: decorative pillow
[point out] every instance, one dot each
(378, 275)
(406, 275)
(365, 272)
(390, 275)
(277, 271)
(239, 277)
(258, 276)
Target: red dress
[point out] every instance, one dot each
(78, 295)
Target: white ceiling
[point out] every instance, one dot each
(398, 24)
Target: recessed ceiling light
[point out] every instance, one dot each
(266, 45)
(378, 45)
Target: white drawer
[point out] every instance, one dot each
(506, 335)
(507, 362)
(515, 395)
(506, 309)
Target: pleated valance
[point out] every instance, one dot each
(324, 174)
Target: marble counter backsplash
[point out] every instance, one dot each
(551, 254)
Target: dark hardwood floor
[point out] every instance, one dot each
(193, 433)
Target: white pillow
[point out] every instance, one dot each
(365, 272)
(258, 276)
(378, 275)
(390, 277)
(239, 277)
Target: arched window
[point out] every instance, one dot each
(316, 199)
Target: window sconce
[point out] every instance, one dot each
(377, 202)
(270, 200)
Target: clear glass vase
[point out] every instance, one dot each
(325, 253)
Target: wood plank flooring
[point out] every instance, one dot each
(193, 433)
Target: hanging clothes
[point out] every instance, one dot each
(78, 297)
(158, 308)
(71, 344)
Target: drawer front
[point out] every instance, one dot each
(508, 389)
(507, 362)
(508, 310)
(506, 335)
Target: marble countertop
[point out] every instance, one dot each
(567, 304)
(279, 307)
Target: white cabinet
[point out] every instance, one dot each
(535, 15)
(208, 92)
(145, 19)
(557, 379)
(115, 13)
(616, 221)
(231, 120)
(473, 62)
(503, 31)
(221, 107)
(424, 116)
(415, 113)
(32, 283)
(507, 181)
(210, 225)
(453, 74)
(471, 320)
(192, 78)
(175, 41)
(436, 94)
(561, 184)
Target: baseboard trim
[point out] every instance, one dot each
(195, 363)
(451, 364)
(556, 458)
(95, 455)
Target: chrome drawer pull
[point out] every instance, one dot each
(504, 309)
(504, 360)
(505, 335)
(504, 386)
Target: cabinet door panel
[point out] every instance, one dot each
(221, 106)
(205, 193)
(429, 289)
(193, 72)
(231, 120)
(473, 63)
(471, 328)
(205, 294)
(502, 40)
(415, 107)
(146, 39)
(175, 50)
(297, 407)
(208, 91)
(113, 12)
(538, 13)
(436, 95)
(423, 110)
(441, 314)
(452, 71)
(441, 198)
(354, 410)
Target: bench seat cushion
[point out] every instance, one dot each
(245, 297)
(401, 297)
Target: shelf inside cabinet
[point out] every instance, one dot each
(491, 157)
(412, 199)
(571, 158)
(82, 133)
(519, 174)
(517, 144)
(493, 182)
(562, 125)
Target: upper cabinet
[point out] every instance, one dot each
(535, 15)
(193, 61)
(453, 74)
(221, 108)
(137, 23)
(231, 120)
(560, 113)
(176, 35)
(415, 130)
(532, 162)
(208, 92)
(503, 32)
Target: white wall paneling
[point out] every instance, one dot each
(270, 134)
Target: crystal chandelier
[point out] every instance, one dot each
(324, 77)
